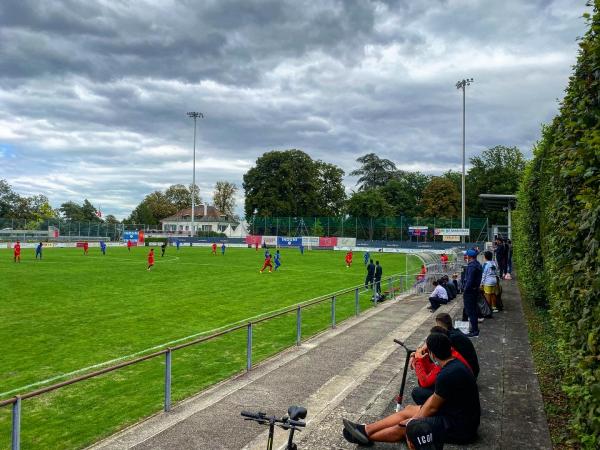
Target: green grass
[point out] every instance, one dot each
(71, 311)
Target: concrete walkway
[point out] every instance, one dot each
(354, 371)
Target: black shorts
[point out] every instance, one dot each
(451, 433)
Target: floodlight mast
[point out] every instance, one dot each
(462, 85)
(194, 115)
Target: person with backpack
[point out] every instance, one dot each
(489, 280)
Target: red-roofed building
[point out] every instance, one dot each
(207, 218)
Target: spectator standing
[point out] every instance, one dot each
(489, 281)
(38, 250)
(471, 291)
(509, 254)
(378, 275)
(370, 275)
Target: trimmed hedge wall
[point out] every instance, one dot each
(557, 233)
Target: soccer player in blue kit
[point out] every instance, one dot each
(277, 259)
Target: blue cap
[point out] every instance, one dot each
(472, 253)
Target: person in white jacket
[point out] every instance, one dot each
(489, 280)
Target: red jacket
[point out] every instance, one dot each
(427, 371)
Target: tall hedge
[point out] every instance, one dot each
(557, 232)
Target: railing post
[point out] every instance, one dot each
(356, 302)
(249, 347)
(299, 326)
(168, 358)
(391, 287)
(333, 312)
(16, 424)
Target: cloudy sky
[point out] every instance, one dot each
(93, 94)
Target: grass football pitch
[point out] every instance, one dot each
(70, 311)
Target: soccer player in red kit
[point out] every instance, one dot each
(214, 248)
(17, 252)
(444, 261)
(267, 263)
(349, 258)
(129, 244)
(256, 246)
(85, 248)
(150, 258)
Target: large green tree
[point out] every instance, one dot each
(224, 197)
(180, 196)
(85, 212)
(441, 198)
(404, 192)
(498, 170)
(373, 172)
(369, 203)
(291, 183)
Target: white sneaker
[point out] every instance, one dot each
(480, 319)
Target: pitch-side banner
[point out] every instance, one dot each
(452, 232)
(270, 240)
(130, 236)
(253, 239)
(328, 241)
(346, 242)
(286, 241)
(310, 241)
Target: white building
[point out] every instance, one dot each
(206, 219)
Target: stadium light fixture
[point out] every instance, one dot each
(194, 115)
(462, 84)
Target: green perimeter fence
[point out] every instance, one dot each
(79, 411)
(364, 228)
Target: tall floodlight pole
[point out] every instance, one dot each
(462, 85)
(194, 115)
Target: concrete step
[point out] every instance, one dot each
(321, 374)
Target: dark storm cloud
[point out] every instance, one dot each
(94, 94)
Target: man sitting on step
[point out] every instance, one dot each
(438, 297)
(453, 411)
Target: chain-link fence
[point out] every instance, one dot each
(364, 228)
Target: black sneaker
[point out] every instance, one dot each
(360, 438)
(473, 334)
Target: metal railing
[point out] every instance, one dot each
(395, 284)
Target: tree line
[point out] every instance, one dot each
(291, 183)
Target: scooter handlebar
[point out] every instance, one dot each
(403, 345)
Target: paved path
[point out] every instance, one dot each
(354, 371)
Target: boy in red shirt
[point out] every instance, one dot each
(17, 252)
(214, 248)
(426, 371)
(267, 263)
(444, 260)
(349, 258)
(85, 248)
(129, 244)
(150, 258)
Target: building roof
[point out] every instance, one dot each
(202, 213)
(498, 201)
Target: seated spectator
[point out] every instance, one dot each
(420, 436)
(459, 341)
(438, 297)
(489, 280)
(453, 411)
(426, 371)
(450, 288)
(455, 282)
